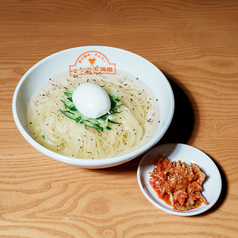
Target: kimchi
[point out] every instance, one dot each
(178, 184)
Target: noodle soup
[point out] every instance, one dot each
(55, 131)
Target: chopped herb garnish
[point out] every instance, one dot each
(99, 123)
(43, 136)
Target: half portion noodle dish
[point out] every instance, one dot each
(178, 184)
(92, 116)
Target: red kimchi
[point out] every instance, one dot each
(178, 184)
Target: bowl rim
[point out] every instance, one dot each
(88, 163)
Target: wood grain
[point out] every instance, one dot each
(195, 44)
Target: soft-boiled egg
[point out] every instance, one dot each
(91, 100)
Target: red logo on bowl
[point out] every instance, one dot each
(92, 62)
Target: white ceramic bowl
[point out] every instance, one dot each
(118, 59)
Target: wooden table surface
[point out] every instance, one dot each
(194, 43)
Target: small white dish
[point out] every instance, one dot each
(211, 186)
